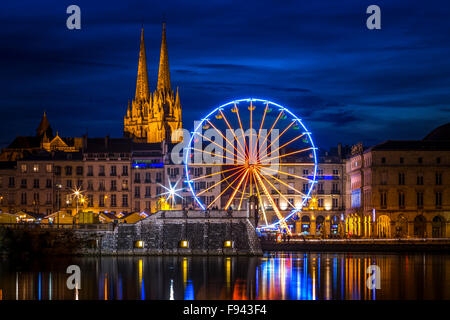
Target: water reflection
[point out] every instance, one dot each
(301, 276)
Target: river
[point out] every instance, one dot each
(276, 275)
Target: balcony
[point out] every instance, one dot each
(320, 192)
(335, 192)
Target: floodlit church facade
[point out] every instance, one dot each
(153, 117)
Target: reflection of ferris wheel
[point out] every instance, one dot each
(258, 149)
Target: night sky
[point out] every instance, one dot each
(348, 83)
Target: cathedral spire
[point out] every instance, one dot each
(44, 127)
(142, 86)
(163, 74)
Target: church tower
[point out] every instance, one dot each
(153, 118)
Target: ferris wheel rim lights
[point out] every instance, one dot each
(267, 102)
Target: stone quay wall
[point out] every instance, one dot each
(163, 232)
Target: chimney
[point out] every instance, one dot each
(339, 150)
(106, 142)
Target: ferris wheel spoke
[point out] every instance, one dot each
(287, 154)
(271, 128)
(251, 154)
(278, 191)
(223, 191)
(234, 134)
(260, 128)
(272, 202)
(284, 145)
(209, 188)
(275, 140)
(213, 154)
(236, 189)
(242, 155)
(243, 191)
(284, 183)
(288, 174)
(260, 199)
(216, 173)
(237, 155)
(242, 130)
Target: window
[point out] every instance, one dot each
(68, 170)
(69, 183)
(101, 171)
(137, 177)
(420, 160)
(402, 160)
(383, 160)
(335, 172)
(320, 203)
(147, 191)
(305, 187)
(401, 178)
(113, 200)
(124, 170)
(158, 175)
(124, 200)
(438, 199)
(125, 185)
(101, 185)
(49, 198)
(48, 183)
(48, 168)
(23, 198)
(148, 177)
(383, 203)
(137, 192)
(36, 183)
(90, 172)
(90, 199)
(23, 183)
(113, 171)
(101, 200)
(401, 199)
(335, 202)
(90, 185)
(113, 185)
(305, 171)
(79, 171)
(35, 168)
(11, 183)
(23, 168)
(320, 172)
(438, 178)
(57, 170)
(208, 170)
(320, 187)
(420, 179)
(438, 160)
(419, 199)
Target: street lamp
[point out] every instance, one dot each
(58, 188)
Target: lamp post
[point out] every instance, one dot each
(58, 196)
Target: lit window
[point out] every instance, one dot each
(139, 244)
(228, 244)
(184, 244)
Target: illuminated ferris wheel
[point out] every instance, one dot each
(257, 148)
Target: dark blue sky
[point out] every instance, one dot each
(318, 58)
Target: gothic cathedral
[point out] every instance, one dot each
(153, 118)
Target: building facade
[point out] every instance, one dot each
(400, 189)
